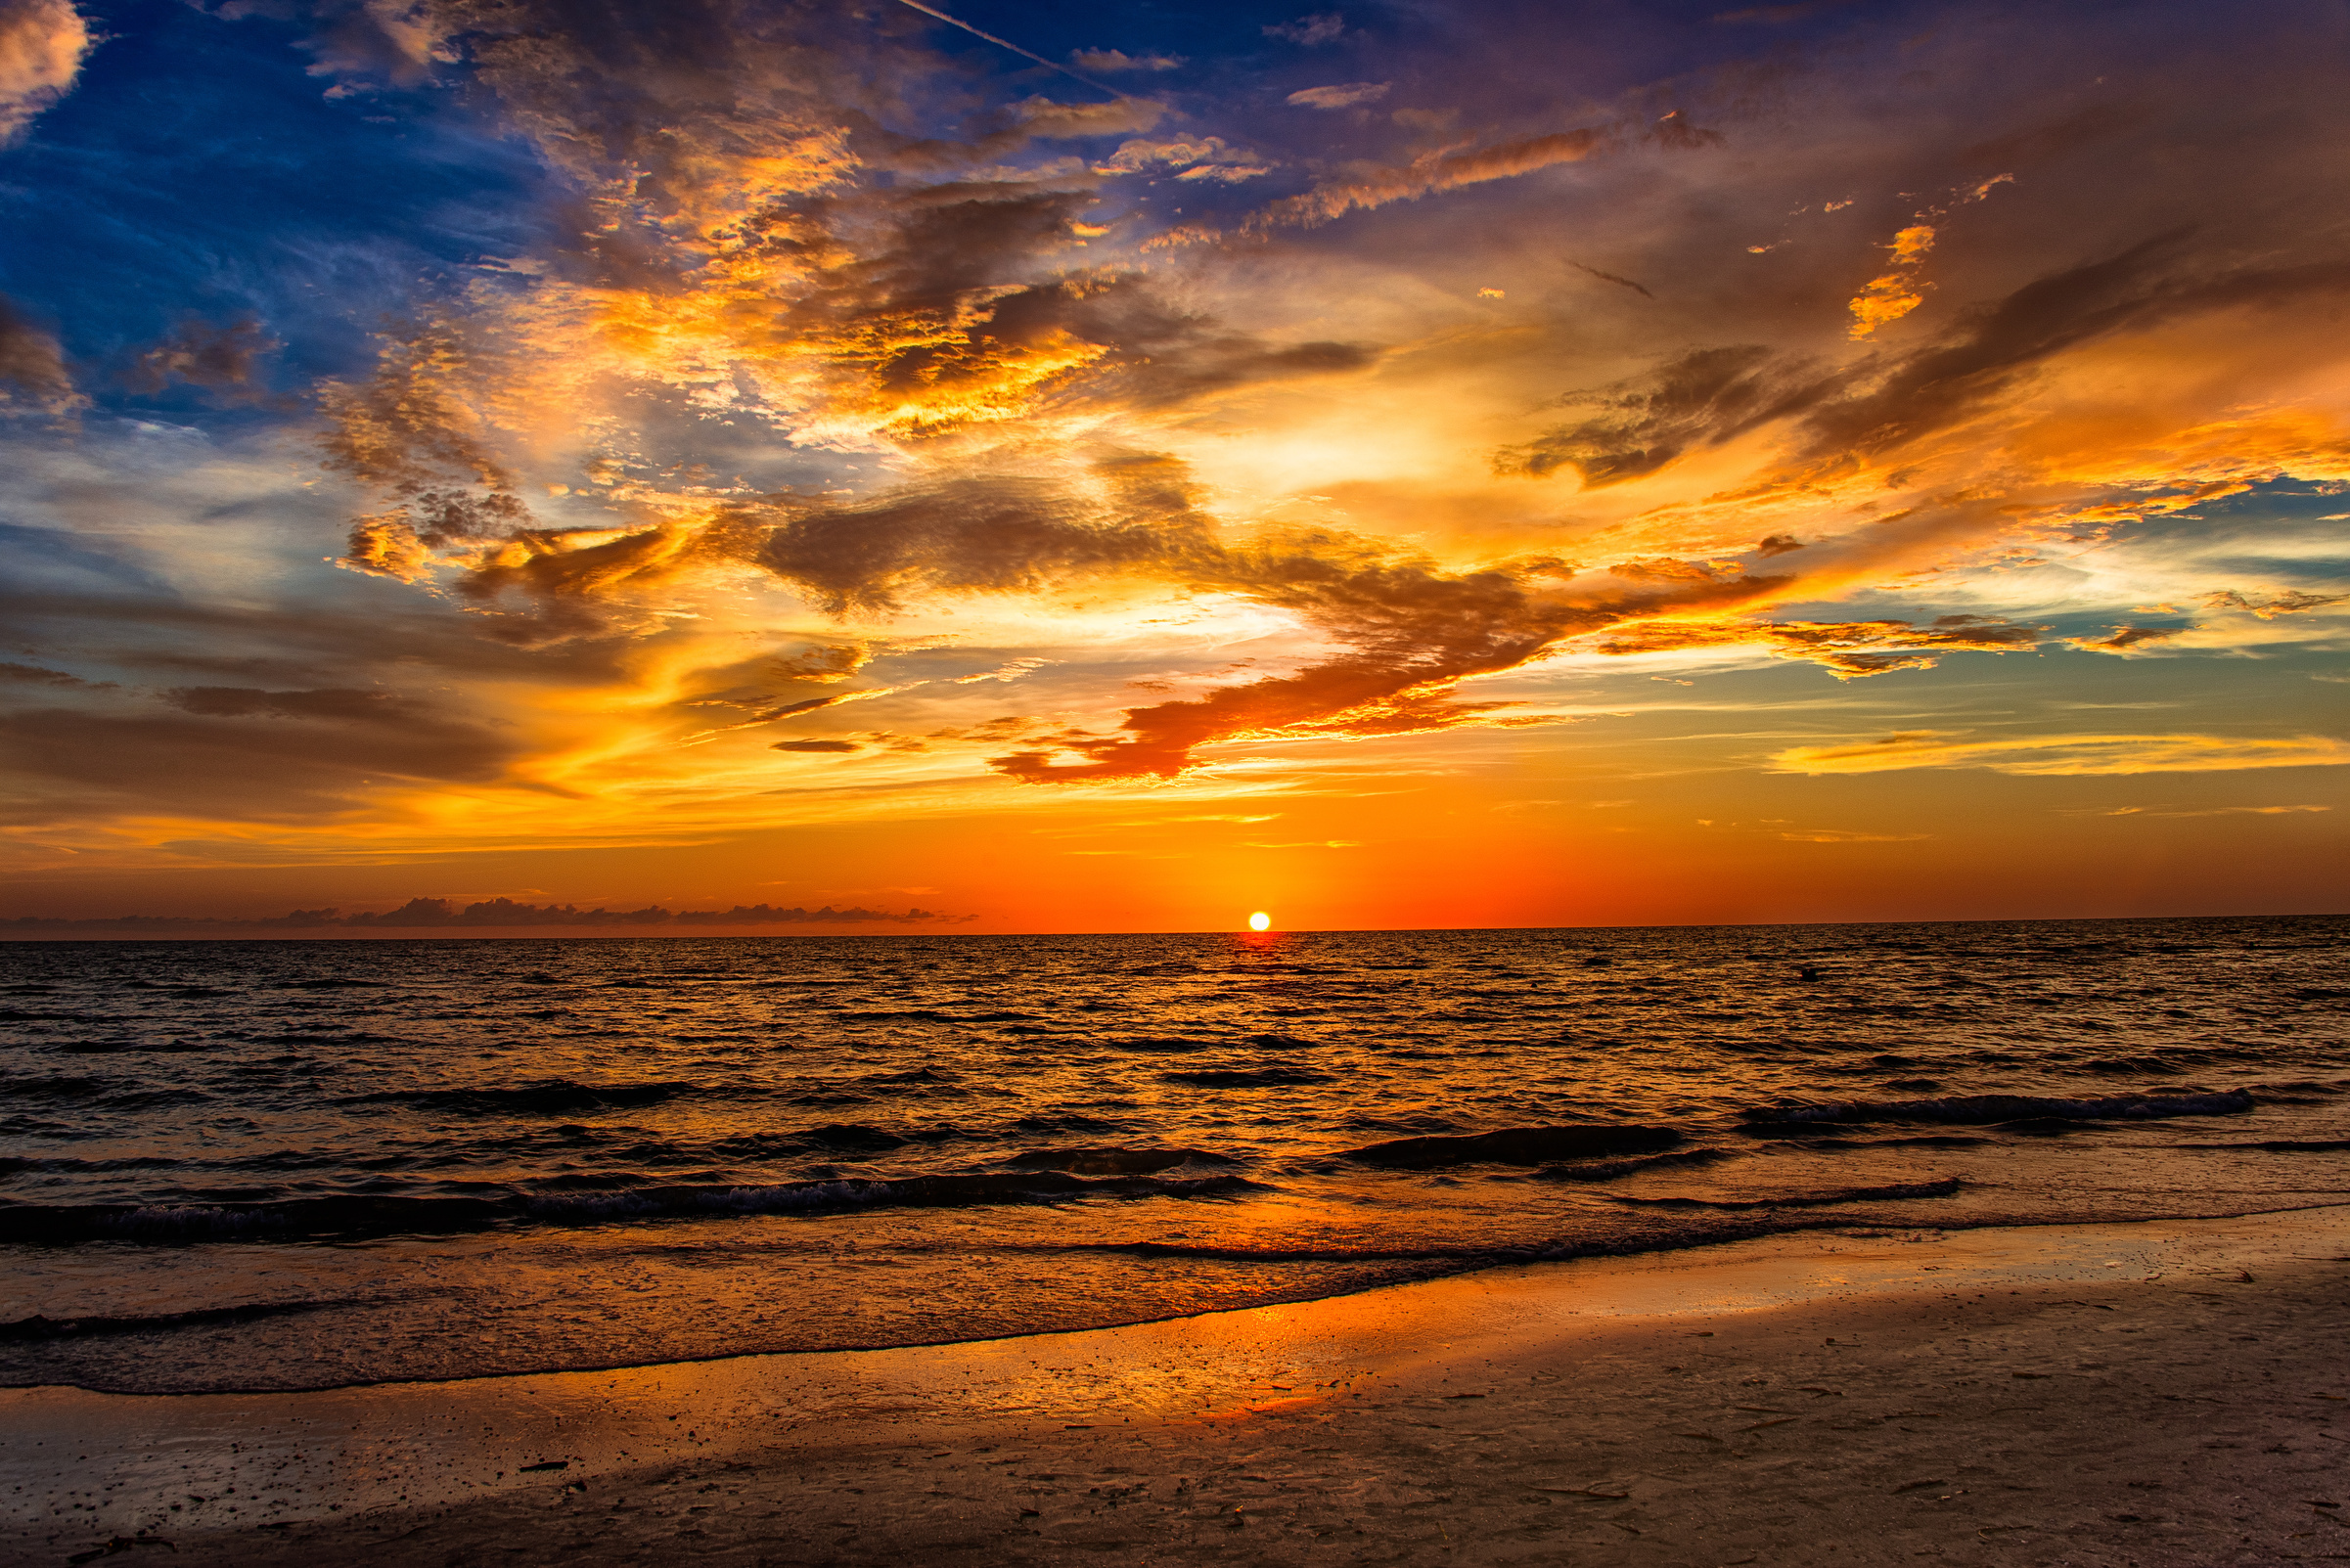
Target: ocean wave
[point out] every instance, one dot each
(1272, 1077)
(853, 1137)
(1114, 1160)
(352, 1216)
(55, 1088)
(37, 1330)
(1612, 1169)
(552, 1096)
(948, 1191)
(1985, 1110)
(51, 1224)
(1889, 1192)
(1161, 1044)
(113, 1093)
(1516, 1146)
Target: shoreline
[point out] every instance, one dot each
(417, 1472)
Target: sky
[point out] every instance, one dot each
(880, 467)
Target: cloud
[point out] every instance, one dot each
(1840, 418)
(1834, 835)
(1341, 97)
(2122, 639)
(1210, 157)
(2276, 604)
(1618, 279)
(826, 663)
(1429, 175)
(1103, 61)
(1409, 630)
(201, 354)
(2214, 811)
(1321, 27)
(32, 368)
(238, 758)
(42, 45)
(2066, 754)
(244, 702)
(33, 673)
(1012, 671)
(1896, 292)
(1225, 173)
(498, 914)
(1704, 397)
(1845, 648)
(829, 351)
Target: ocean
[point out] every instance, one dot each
(307, 1164)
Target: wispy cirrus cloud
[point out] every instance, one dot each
(2066, 754)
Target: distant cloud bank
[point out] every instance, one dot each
(498, 914)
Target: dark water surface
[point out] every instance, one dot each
(299, 1164)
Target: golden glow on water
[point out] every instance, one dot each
(1260, 921)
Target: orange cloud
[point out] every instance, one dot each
(1893, 294)
(42, 44)
(1845, 648)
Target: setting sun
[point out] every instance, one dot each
(1259, 920)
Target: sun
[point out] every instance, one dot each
(1259, 920)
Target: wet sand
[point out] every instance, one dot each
(2166, 1393)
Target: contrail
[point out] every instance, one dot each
(1005, 43)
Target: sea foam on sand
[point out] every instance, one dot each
(2169, 1392)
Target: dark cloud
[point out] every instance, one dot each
(33, 379)
(339, 641)
(963, 536)
(33, 673)
(2292, 603)
(409, 427)
(238, 768)
(1619, 279)
(816, 747)
(1319, 27)
(496, 914)
(333, 704)
(1701, 399)
(1996, 349)
(220, 359)
(1875, 407)
(2124, 638)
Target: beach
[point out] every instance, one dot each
(2150, 1393)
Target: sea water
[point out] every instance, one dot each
(301, 1164)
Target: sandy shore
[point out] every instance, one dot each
(2172, 1392)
